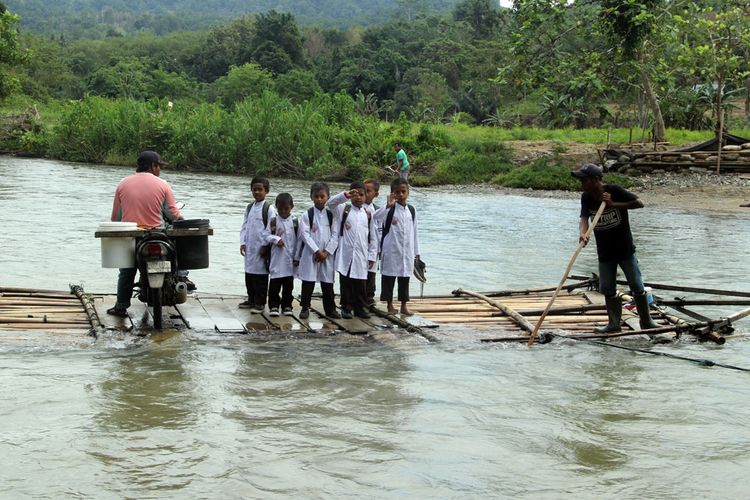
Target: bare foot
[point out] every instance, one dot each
(405, 311)
(391, 309)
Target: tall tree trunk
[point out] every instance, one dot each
(720, 130)
(653, 103)
(747, 101)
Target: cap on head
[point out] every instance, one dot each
(148, 158)
(588, 170)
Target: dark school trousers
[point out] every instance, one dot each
(386, 288)
(257, 288)
(327, 288)
(353, 293)
(284, 285)
(371, 286)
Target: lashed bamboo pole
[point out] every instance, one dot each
(517, 318)
(692, 289)
(583, 242)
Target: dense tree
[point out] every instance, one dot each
(10, 53)
(242, 82)
(481, 15)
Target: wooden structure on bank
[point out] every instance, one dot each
(735, 157)
(461, 316)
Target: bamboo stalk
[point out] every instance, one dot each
(503, 293)
(693, 289)
(517, 318)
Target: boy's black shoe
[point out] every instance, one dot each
(334, 315)
(362, 313)
(246, 305)
(346, 314)
(190, 285)
(116, 311)
(304, 313)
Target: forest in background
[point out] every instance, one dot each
(266, 92)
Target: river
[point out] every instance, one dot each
(224, 417)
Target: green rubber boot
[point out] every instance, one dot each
(614, 311)
(644, 311)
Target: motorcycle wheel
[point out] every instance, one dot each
(156, 304)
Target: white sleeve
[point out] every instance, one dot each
(337, 200)
(305, 225)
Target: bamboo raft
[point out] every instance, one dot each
(464, 315)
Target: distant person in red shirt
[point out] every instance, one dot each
(147, 200)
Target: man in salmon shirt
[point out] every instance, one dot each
(146, 199)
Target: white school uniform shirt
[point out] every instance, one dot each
(282, 259)
(359, 244)
(378, 224)
(313, 237)
(401, 244)
(252, 235)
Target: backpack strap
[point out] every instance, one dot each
(295, 225)
(347, 208)
(273, 226)
(266, 205)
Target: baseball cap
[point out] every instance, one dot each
(148, 158)
(588, 170)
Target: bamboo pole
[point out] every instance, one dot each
(567, 271)
(586, 281)
(707, 291)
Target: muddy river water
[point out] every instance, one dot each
(223, 417)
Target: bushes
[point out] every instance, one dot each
(472, 161)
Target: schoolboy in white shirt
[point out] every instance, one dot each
(400, 245)
(357, 248)
(318, 240)
(282, 235)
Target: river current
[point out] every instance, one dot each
(213, 416)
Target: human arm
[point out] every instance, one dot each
(622, 205)
(373, 243)
(116, 207)
(583, 228)
(416, 237)
(305, 231)
(243, 230)
(169, 209)
(337, 200)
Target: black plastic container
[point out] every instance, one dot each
(192, 251)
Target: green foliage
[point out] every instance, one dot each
(473, 162)
(543, 173)
(242, 82)
(10, 53)
(297, 85)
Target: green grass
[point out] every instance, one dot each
(550, 173)
(584, 136)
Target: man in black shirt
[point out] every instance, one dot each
(614, 243)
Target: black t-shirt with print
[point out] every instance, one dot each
(614, 241)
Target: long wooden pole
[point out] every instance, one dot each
(567, 271)
(511, 313)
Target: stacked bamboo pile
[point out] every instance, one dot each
(27, 309)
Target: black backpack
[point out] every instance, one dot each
(389, 221)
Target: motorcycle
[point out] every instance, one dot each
(159, 284)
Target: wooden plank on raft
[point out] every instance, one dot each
(140, 315)
(222, 315)
(285, 323)
(104, 302)
(354, 326)
(317, 322)
(195, 316)
(253, 322)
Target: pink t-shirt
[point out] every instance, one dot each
(146, 199)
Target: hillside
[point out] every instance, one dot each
(100, 18)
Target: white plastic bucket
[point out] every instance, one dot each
(118, 252)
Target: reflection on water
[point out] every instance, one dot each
(220, 416)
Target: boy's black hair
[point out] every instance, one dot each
(374, 183)
(261, 180)
(319, 186)
(357, 185)
(397, 143)
(284, 199)
(395, 183)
